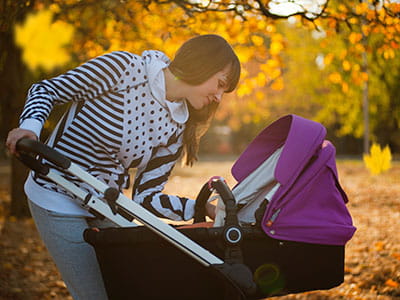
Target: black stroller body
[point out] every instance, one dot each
(138, 264)
(234, 261)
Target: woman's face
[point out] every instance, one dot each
(209, 91)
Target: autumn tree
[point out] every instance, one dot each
(361, 61)
(14, 77)
(252, 27)
(103, 26)
(358, 53)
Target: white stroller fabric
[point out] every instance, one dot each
(260, 185)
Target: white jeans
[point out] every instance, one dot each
(75, 259)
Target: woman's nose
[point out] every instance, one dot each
(218, 96)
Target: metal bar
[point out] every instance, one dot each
(95, 203)
(164, 230)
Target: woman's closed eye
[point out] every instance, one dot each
(221, 84)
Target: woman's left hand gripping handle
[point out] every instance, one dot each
(15, 135)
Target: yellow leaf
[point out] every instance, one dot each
(366, 29)
(343, 54)
(355, 37)
(278, 84)
(54, 7)
(379, 160)
(243, 90)
(345, 87)
(353, 20)
(269, 65)
(389, 54)
(275, 48)
(361, 8)
(270, 28)
(244, 53)
(342, 8)
(346, 65)
(261, 79)
(42, 40)
(257, 40)
(364, 76)
(356, 67)
(359, 48)
(335, 77)
(328, 59)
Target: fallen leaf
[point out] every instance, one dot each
(379, 246)
(391, 283)
(396, 255)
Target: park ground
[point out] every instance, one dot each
(372, 269)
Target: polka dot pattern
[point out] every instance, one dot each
(147, 124)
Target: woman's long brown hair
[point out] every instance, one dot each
(195, 62)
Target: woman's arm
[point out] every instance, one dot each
(151, 179)
(86, 82)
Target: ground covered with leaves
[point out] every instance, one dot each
(372, 256)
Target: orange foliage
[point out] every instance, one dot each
(134, 26)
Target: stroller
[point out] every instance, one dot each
(282, 229)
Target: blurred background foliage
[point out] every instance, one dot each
(336, 62)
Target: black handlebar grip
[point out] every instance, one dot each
(222, 189)
(30, 146)
(200, 206)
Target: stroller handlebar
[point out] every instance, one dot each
(218, 184)
(200, 205)
(29, 147)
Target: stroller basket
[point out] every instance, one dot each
(138, 264)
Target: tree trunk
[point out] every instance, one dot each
(13, 87)
(19, 206)
(365, 96)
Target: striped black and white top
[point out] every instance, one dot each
(115, 123)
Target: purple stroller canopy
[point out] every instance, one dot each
(310, 205)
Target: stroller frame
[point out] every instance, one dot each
(304, 254)
(122, 211)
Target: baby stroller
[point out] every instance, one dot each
(282, 229)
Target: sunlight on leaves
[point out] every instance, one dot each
(335, 77)
(355, 37)
(278, 84)
(346, 65)
(379, 160)
(42, 41)
(257, 40)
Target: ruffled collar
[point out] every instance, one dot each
(155, 62)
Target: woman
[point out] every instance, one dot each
(127, 111)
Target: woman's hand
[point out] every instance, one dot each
(15, 135)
